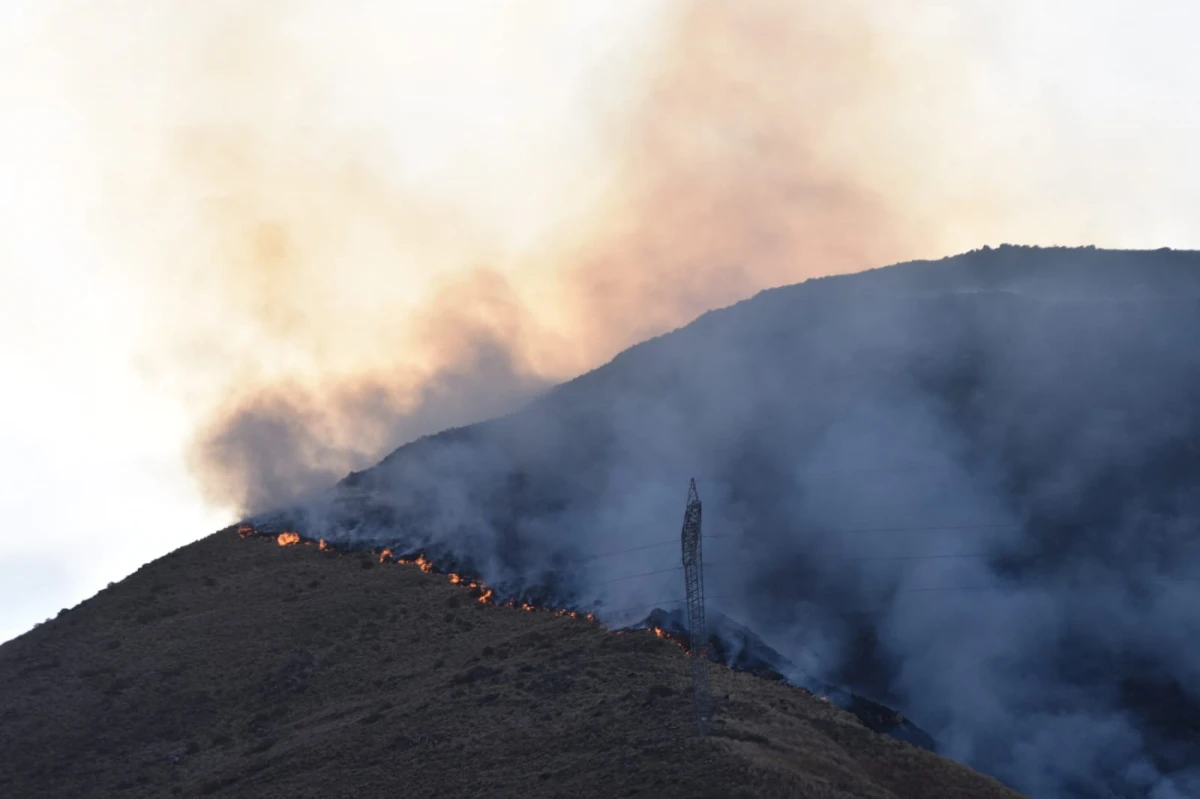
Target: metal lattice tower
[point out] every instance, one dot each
(693, 577)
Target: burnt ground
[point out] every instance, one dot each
(238, 668)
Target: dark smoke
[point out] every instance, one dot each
(1032, 411)
(283, 441)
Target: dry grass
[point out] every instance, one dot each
(236, 668)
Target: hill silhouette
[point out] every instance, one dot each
(240, 668)
(966, 489)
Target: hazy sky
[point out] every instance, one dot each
(211, 209)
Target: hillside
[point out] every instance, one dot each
(966, 489)
(239, 667)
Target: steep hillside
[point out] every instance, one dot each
(967, 489)
(242, 668)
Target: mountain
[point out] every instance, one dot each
(235, 667)
(966, 489)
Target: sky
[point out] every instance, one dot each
(245, 248)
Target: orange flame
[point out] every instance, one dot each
(666, 636)
(245, 531)
(574, 614)
(484, 595)
(420, 561)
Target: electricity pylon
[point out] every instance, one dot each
(693, 578)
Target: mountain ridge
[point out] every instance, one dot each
(235, 667)
(1040, 391)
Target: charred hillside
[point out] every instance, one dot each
(967, 489)
(235, 667)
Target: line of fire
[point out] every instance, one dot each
(478, 590)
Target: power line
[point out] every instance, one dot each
(635, 576)
(745, 537)
(663, 587)
(857, 530)
(940, 588)
(857, 558)
(597, 556)
(946, 556)
(618, 611)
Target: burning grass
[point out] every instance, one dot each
(478, 590)
(306, 675)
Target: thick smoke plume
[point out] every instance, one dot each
(354, 228)
(967, 489)
(346, 247)
(719, 183)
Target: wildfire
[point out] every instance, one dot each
(574, 614)
(482, 593)
(420, 561)
(659, 632)
(485, 594)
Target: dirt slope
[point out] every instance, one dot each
(240, 668)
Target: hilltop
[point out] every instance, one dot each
(241, 668)
(968, 485)
(965, 490)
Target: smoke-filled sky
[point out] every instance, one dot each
(246, 247)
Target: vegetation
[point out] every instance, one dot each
(240, 668)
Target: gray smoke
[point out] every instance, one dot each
(970, 487)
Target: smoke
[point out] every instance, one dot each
(966, 489)
(731, 168)
(281, 441)
(353, 225)
(352, 229)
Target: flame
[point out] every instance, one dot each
(245, 531)
(574, 614)
(420, 561)
(485, 595)
(482, 593)
(666, 636)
